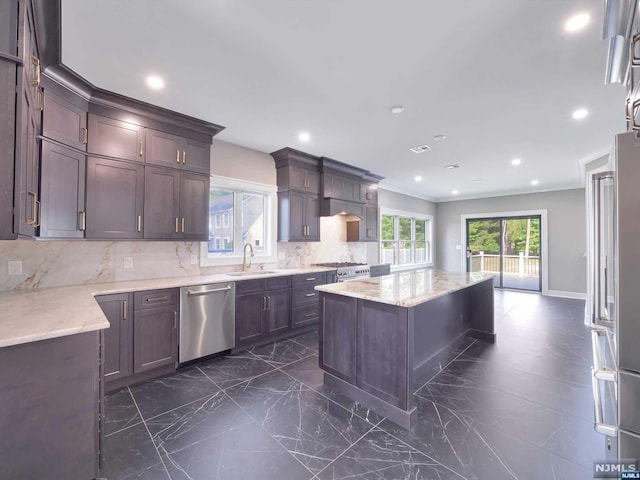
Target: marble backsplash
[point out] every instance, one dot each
(62, 263)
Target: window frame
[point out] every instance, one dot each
(239, 187)
(429, 238)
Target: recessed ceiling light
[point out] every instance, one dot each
(516, 161)
(304, 137)
(577, 22)
(534, 182)
(420, 149)
(478, 181)
(440, 136)
(397, 109)
(454, 192)
(155, 82)
(452, 166)
(418, 178)
(580, 113)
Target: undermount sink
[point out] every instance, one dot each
(246, 274)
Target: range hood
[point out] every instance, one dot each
(334, 206)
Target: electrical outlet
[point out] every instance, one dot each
(281, 256)
(458, 247)
(194, 259)
(15, 267)
(128, 262)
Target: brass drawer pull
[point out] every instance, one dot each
(157, 299)
(310, 295)
(311, 279)
(307, 315)
(124, 310)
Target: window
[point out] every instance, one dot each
(405, 238)
(239, 213)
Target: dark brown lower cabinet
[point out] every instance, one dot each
(50, 395)
(142, 340)
(8, 71)
(118, 338)
(338, 325)
(305, 304)
(263, 309)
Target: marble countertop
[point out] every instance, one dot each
(32, 315)
(408, 288)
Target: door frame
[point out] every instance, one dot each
(544, 244)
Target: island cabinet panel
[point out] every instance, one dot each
(338, 336)
(50, 395)
(118, 338)
(155, 338)
(383, 352)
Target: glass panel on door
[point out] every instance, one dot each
(521, 253)
(483, 247)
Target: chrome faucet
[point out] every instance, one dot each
(244, 257)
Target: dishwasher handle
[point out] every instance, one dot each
(206, 292)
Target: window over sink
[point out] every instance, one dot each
(406, 238)
(240, 212)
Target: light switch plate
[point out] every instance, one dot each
(458, 247)
(15, 267)
(194, 259)
(281, 256)
(128, 262)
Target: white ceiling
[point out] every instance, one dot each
(499, 77)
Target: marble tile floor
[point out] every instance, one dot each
(519, 409)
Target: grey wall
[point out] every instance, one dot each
(235, 161)
(398, 201)
(566, 224)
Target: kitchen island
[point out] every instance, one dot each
(378, 334)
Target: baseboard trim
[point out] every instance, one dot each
(563, 294)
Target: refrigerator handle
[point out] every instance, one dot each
(599, 425)
(597, 318)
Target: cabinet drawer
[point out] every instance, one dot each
(305, 315)
(275, 283)
(155, 298)
(305, 295)
(315, 278)
(249, 286)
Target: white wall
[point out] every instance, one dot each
(566, 235)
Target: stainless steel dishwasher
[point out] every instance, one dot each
(207, 320)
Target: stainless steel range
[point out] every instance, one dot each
(348, 270)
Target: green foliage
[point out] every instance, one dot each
(485, 235)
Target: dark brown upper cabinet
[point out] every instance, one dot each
(366, 229)
(115, 138)
(64, 116)
(173, 151)
(62, 188)
(194, 206)
(115, 198)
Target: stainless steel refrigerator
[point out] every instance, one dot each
(616, 299)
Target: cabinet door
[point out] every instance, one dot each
(278, 310)
(249, 317)
(312, 217)
(118, 338)
(65, 122)
(62, 185)
(296, 217)
(163, 148)
(155, 340)
(9, 25)
(115, 138)
(161, 202)
(370, 231)
(115, 197)
(196, 156)
(304, 179)
(369, 194)
(194, 206)
(7, 143)
(338, 328)
(27, 172)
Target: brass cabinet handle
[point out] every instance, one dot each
(176, 224)
(309, 314)
(182, 224)
(311, 279)
(310, 295)
(268, 303)
(36, 63)
(35, 211)
(175, 320)
(264, 303)
(139, 223)
(368, 233)
(141, 149)
(157, 299)
(84, 139)
(41, 100)
(83, 221)
(124, 310)
(184, 157)
(177, 156)
(369, 196)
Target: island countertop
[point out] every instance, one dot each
(407, 288)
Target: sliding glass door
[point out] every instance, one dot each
(507, 247)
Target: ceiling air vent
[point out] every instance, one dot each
(420, 149)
